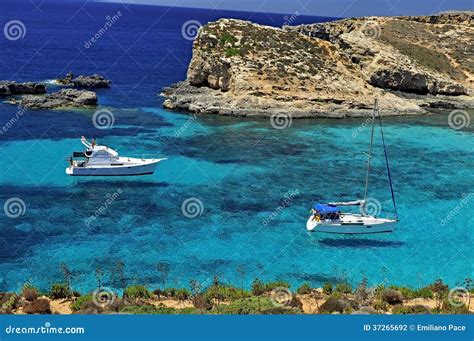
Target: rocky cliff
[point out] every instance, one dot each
(330, 69)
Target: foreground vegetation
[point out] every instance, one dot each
(262, 298)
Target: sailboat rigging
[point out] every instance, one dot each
(330, 219)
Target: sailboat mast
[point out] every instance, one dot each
(369, 155)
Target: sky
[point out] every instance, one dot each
(333, 8)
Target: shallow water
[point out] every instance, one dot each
(256, 185)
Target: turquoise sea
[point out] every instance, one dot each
(248, 186)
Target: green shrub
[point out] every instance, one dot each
(245, 306)
(448, 308)
(276, 284)
(232, 51)
(182, 294)
(410, 310)
(343, 288)
(202, 301)
(425, 292)
(60, 290)
(136, 292)
(304, 289)
(258, 287)
(38, 306)
(30, 294)
(80, 302)
(147, 309)
(226, 293)
(281, 311)
(227, 38)
(332, 305)
(8, 302)
(391, 296)
(327, 288)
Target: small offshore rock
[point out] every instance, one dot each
(62, 98)
(11, 88)
(81, 81)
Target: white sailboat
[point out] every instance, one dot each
(330, 218)
(104, 161)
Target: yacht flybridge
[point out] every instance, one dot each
(103, 161)
(329, 217)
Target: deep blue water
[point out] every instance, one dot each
(241, 170)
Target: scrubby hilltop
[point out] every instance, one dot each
(330, 69)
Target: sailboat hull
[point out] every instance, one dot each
(352, 224)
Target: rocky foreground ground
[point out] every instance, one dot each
(332, 69)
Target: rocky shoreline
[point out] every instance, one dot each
(332, 69)
(33, 95)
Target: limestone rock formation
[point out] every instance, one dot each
(332, 69)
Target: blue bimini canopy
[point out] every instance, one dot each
(326, 208)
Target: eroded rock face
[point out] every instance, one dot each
(332, 69)
(62, 98)
(10, 88)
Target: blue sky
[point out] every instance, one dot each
(337, 8)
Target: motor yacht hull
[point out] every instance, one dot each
(119, 170)
(352, 225)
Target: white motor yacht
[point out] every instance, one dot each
(99, 160)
